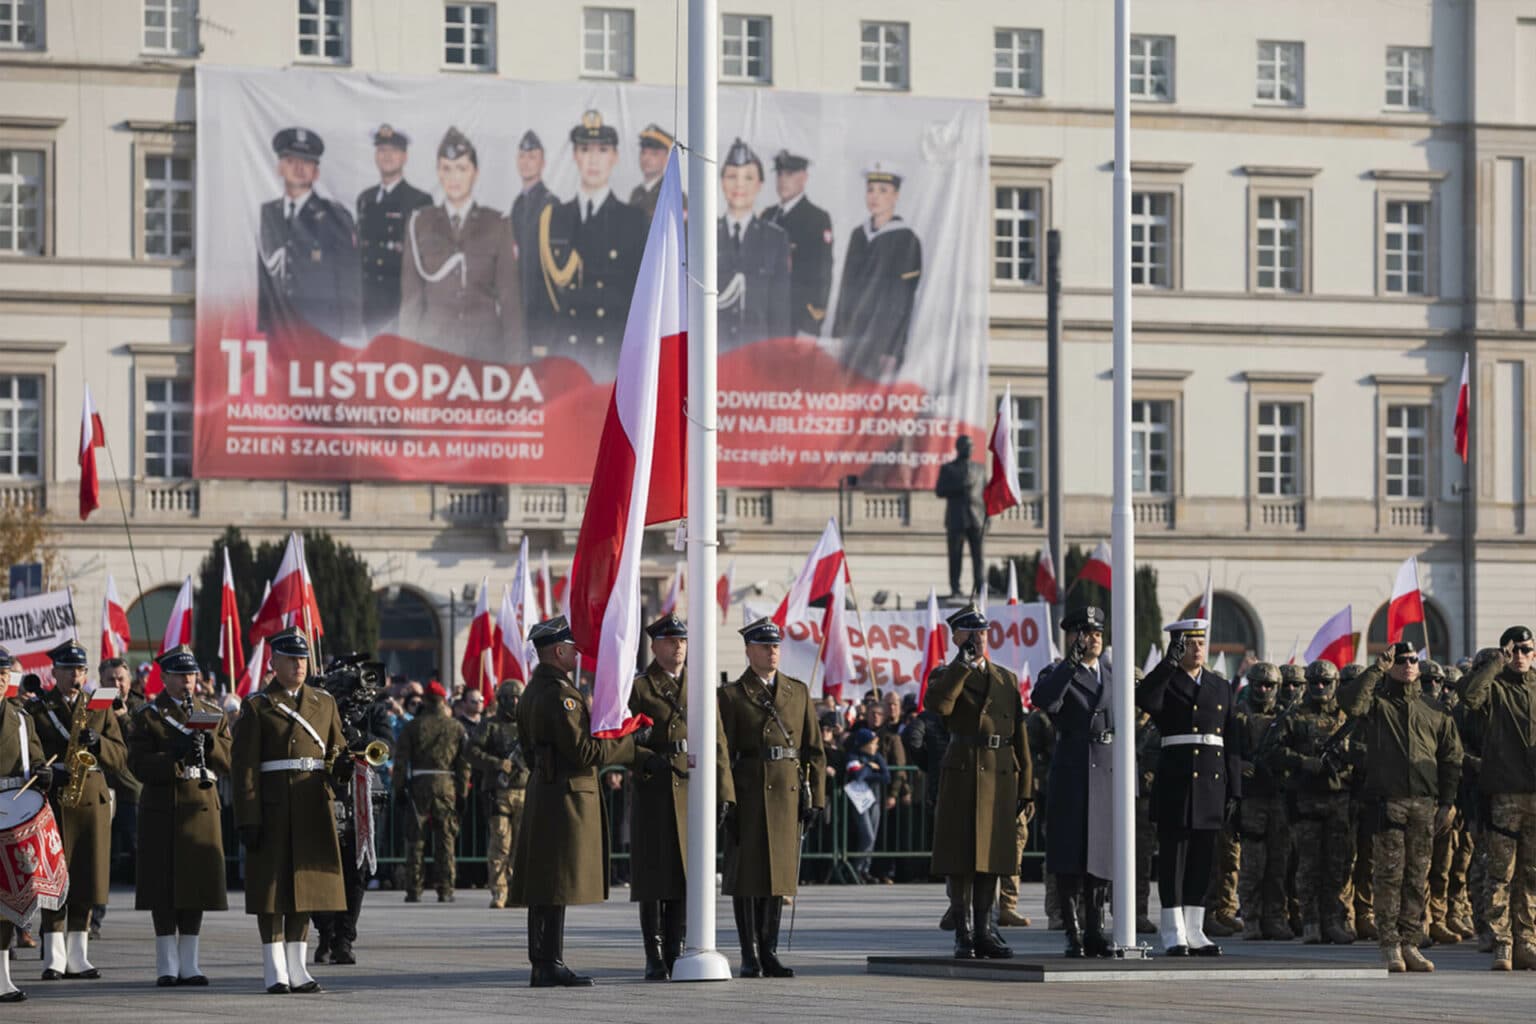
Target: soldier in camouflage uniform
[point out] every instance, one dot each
(1317, 797)
(1293, 686)
(1148, 742)
(429, 780)
(1438, 909)
(1357, 893)
(496, 752)
(1467, 886)
(1261, 818)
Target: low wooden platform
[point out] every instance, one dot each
(1037, 969)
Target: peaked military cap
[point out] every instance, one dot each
(763, 631)
(69, 654)
(882, 174)
(668, 625)
(786, 162)
(7, 660)
(740, 155)
(1089, 616)
(969, 618)
(387, 136)
(593, 130)
(290, 643)
(530, 142)
(652, 136)
(300, 142)
(1514, 635)
(550, 631)
(1188, 627)
(456, 144)
(179, 660)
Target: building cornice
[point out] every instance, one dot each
(31, 347)
(14, 121)
(158, 348)
(1278, 171)
(1280, 376)
(160, 127)
(1027, 162)
(1406, 380)
(1390, 175)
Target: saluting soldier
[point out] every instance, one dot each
(86, 829)
(658, 841)
(810, 243)
(779, 777)
(533, 198)
(460, 291)
(496, 751)
(589, 251)
(180, 861)
(429, 780)
(881, 272)
(382, 213)
(21, 759)
(655, 144)
(287, 741)
(753, 258)
(562, 848)
(308, 269)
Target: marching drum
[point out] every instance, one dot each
(33, 874)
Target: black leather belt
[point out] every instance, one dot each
(779, 754)
(678, 747)
(992, 742)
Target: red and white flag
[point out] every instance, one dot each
(640, 476)
(933, 646)
(1407, 606)
(1204, 611)
(101, 698)
(261, 658)
(1013, 584)
(836, 650)
(1295, 649)
(1335, 642)
(178, 630)
(724, 587)
(1097, 569)
(231, 653)
(115, 634)
(291, 599)
(1045, 577)
(672, 603)
(545, 590)
(92, 436)
(826, 562)
(519, 611)
(1463, 408)
(1002, 491)
(480, 668)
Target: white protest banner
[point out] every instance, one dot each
(30, 627)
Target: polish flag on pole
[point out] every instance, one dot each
(291, 597)
(724, 587)
(836, 650)
(114, 623)
(480, 667)
(519, 611)
(1463, 408)
(261, 659)
(933, 646)
(674, 599)
(1407, 605)
(1335, 642)
(1097, 569)
(178, 630)
(92, 436)
(1045, 577)
(1002, 491)
(826, 562)
(1295, 649)
(230, 649)
(1205, 600)
(545, 590)
(640, 476)
(1013, 584)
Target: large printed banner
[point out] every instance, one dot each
(428, 279)
(888, 649)
(30, 627)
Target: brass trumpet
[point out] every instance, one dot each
(375, 753)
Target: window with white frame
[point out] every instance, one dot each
(1277, 244)
(746, 48)
(1407, 78)
(1279, 444)
(1278, 79)
(323, 30)
(1151, 238)
(469, 36)
(1016, 234)
(21, 202)
(21, 24)
(1016, 61)
(1026, 440)
(167, 205)
(167, 427)
(21, 425)
(170, 27)
(608, 42)
(1405, 247)
(1152, 68)
(883, 55)
(1407, 447)
(1151, 443)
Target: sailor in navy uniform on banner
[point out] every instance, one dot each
(879, 283)
(382, 211)
(810, 243)
(753, 267)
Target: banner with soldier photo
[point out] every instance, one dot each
(428, 278)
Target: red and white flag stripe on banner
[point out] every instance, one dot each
(178, 630)
(479, 668)
(641, 472)
(826, 562)
(1407, 606)
(1097, 569)
(1335, 641)
(115, 634)
(1045, 577)
(1002, 490)
(231, 652)
(92, 436)
(1463, 409)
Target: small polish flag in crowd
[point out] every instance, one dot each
(1463, 409)
(1002, 490)
(115, 634)
(827, 561)
(1045, 577)
(1335, 641)
(480, 667)
(1407, 606)
(92, 436)
(933, 646)
(1097, 568)
(178, 630)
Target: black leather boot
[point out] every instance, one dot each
(746, 930)
(1070, 891)
(1095, 896)
(989, 941)
(546, 948)
(674, 931)
(650, 936)
(770, 910)
(960, 910)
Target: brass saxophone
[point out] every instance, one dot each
(78, 760)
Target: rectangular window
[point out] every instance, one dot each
(1016, 235)
(746, 48)
(1279, 455)
(1151, 238)
(1405, 247)
(1026, 441)
(170, 27)
(21, 425)
(608, 42)
(1016, 61)
(1279, 73)
(323, 30)
(1407, 78)
(469, 36)
(1150, 446)
(1152, 68)
(21, 202)
(1277, 249)
(1407, 448)
(168, 206)
(167, 427)
(21, 24)
(883, 55)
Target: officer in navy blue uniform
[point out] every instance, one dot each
(527, 208)
(810, 243)
(308, 265)
(589, 253)
(878, 291)
(1198, 781)
(753, 258)
(382, 211)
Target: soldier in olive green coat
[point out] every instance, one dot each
(562, 848)
(496, 752)
(780, 781)
(429, 780)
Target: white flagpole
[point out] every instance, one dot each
(701, 961)
(1123, 527)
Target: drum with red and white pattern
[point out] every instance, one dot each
(33, 874)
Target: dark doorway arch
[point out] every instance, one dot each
(410, 636)
(1439, 633)
(156, 604)
(1234, 628)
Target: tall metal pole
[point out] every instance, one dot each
(701, 961)
(1123, 528)
(1055, 523)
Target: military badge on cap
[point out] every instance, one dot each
(291, 643)
(668, 625)
(1514, 635)
(1188, 627)
(653, 136)
(179, 660)
(1088, 617)
(299, 142)
(530, 142)
(69, 654)
(592, 130)
(785, 162)
(742, 155)
(880, 173)
(969, 618)
(763, 631)
(387, 136)
(550, 632)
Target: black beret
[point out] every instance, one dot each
(1514, 635)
